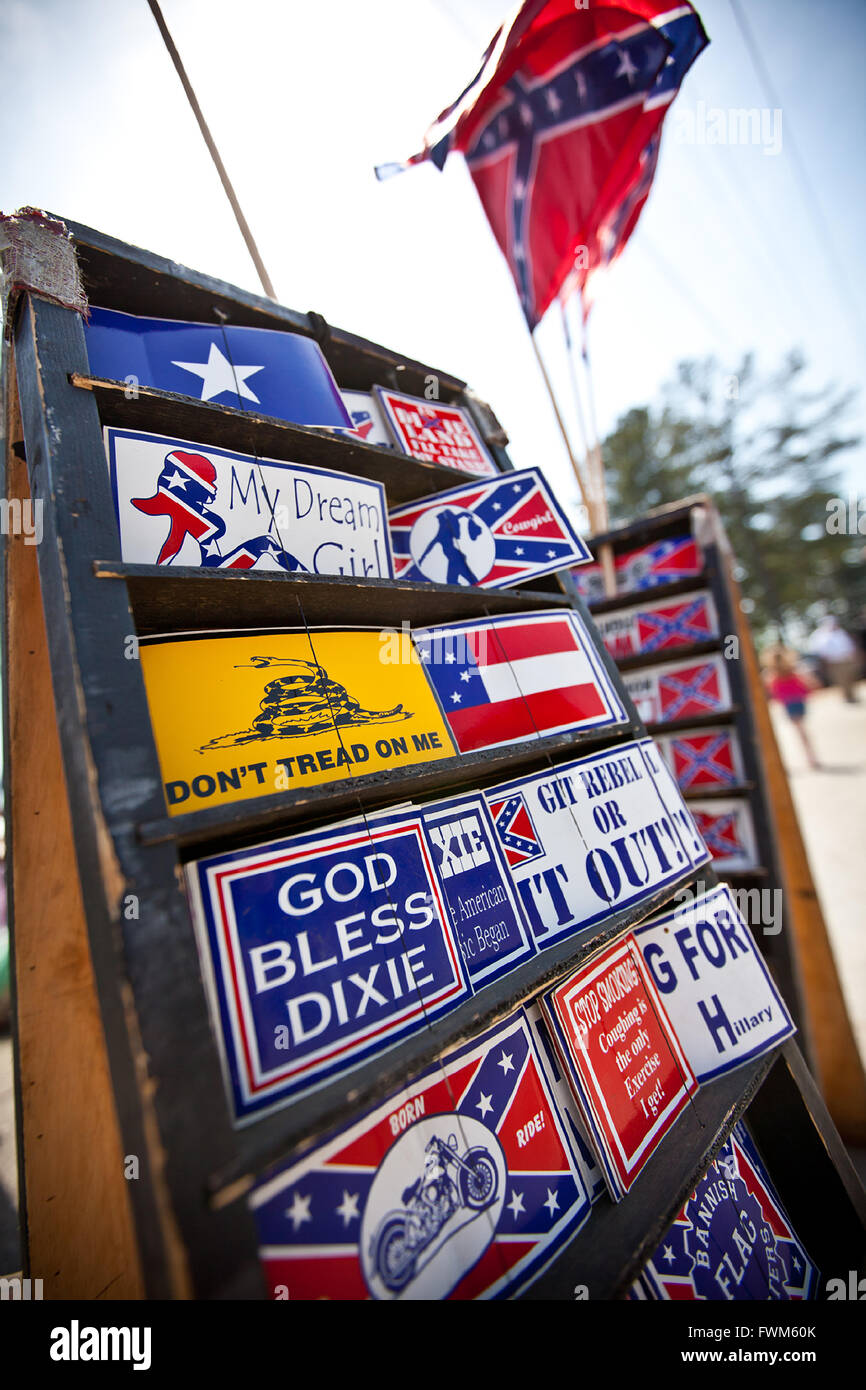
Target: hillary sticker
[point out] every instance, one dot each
(717, 991)
(491, 534)
(249, 714)
(186, 504)
(463, 1185)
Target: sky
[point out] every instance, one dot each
(305, 99)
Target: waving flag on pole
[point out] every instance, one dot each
(560, 130)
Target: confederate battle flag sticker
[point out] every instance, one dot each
(492, 534)
(463, 1185)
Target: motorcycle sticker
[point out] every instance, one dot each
(588, 837)
(246, 714)
(732, 1238)
(320, 950)
(716, 988)
(190, 504)
(628, 1071)
(463, 1185)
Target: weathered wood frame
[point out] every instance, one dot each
(149, 1079)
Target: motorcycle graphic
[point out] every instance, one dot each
(452, 1185)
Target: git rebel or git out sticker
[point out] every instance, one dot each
(245, 715)
(463, 1185)
(628, 1071)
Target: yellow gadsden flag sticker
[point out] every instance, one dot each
(248, 715)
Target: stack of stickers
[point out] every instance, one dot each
(471, 1178)
(185, 504)
(675, 691)
(251, 713)
(732, 1238)
(326, 948)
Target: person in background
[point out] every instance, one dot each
(791, 688)
(839, 654)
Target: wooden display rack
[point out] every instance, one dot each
(133, 1179)
(800, 955)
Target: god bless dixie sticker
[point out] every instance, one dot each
(179, 503)
(463, 1185)
(248, 714)
(628, 1072)
(320, 950)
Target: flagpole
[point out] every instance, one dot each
(563, 431)
(595, 463)
(214, 152)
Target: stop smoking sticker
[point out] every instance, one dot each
(622, 1057)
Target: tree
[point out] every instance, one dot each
(764, 448)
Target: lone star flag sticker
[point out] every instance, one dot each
(280, 374)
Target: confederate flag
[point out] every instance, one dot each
(560, 129)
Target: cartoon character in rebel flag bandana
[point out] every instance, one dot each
(184, 489)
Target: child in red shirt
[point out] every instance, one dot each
(791, 689)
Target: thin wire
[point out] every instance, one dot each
(810, 197)
(212, 149)
(584, 496)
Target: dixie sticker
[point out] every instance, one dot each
(321, 950)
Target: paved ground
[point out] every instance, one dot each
(831, 804)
